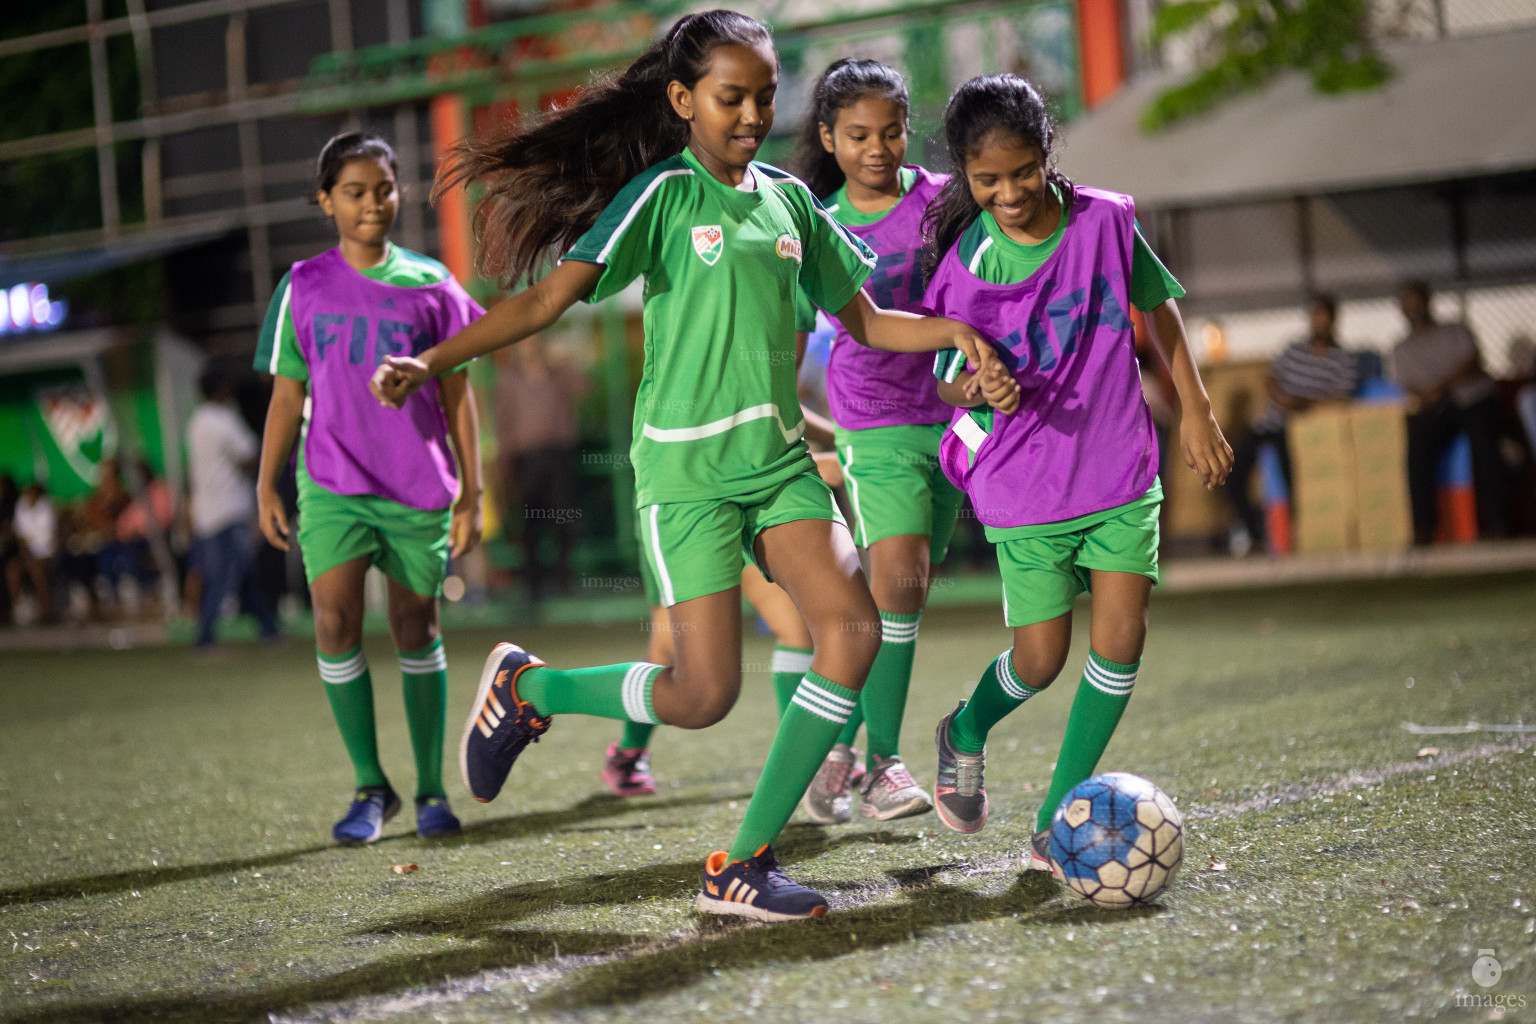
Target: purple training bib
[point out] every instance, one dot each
(867, 387)
(346, 324)
(1082, 440)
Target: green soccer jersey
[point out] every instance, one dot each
(717, 414)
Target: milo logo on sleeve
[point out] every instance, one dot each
(708, 242)
(788, 247)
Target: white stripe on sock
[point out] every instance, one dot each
(343, 671)
(1009, 680)
(414, 666)
(791, 661)
(1118, 684)
(827, 695)
(822, 702)
(633, 692)
(818, 711)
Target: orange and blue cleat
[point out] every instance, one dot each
(755, 888)
(500, 725)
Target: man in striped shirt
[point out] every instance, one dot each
(1313, 370)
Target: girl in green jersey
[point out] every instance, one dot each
(652, 174)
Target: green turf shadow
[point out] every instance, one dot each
(594, 808)
(727, 944)
(497, 950)
(144, 878)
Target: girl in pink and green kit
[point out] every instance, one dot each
(400, 492)
(1062, 467)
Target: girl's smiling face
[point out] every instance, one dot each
(729, 109)
(1007, 178)
(868, 139)
(363, 201)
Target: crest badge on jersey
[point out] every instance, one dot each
(788, 248)
(708, 242)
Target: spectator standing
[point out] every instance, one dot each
(1314, 369)
(536, 436)
(37, 548)
(1440, 367)
(221, 449)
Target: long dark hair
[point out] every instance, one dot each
(843, 84)
(345, 147)
(546, 182)
(1003, 104)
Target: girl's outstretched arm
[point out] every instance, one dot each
(895, 331)
(467, 520)
(511, 320)
(284, 414)
(1205, 448)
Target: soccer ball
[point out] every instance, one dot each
(1118, 840)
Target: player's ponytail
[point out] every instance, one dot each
(547, 181)
(992, 104)
(843, 84)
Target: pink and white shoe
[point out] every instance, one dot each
(890, 792)
(627, 772)
(829, 798)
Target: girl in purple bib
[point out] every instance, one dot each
(375, 487)
(1061, 460)
(888, 418)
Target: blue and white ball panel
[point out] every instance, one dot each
(1118, 840)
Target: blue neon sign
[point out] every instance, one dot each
(27, 308)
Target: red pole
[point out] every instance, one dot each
(1103, 57)
(453, 236)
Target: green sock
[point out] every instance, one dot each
(637, 736)
(884, 697)
(851, 730)
(607, 691)
(997, 693)
(349, 688)
(790, 664)
(806, 733)
(1101, 698)
(424, 681)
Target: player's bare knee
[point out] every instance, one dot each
(1038, 669)
(337, 628)
(1122, 643)
(411, 629)
(705, 711)
(854, 640)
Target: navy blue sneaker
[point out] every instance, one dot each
(755, 888)
(371, 807)
(500, 725)
(434, 818)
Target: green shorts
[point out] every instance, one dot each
(692, 548)
(896, 487)
(1043, 575)
(409, 545)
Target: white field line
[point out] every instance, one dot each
(533, 977)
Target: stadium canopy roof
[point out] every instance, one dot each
(1456, 108)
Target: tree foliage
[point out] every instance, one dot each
(1253, 40)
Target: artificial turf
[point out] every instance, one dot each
(165, 854)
